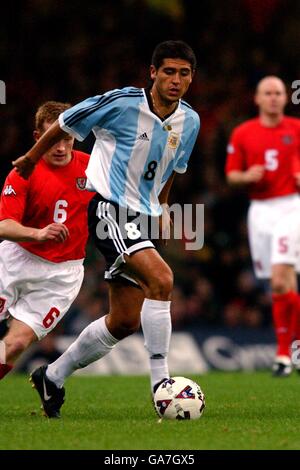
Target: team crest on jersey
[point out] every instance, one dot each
(173, 140)
(9, 190)
(81, 183)
(287, 139)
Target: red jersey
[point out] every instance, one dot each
(51, 194)
(277, 148)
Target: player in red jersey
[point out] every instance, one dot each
(264, 155)
(43, 221)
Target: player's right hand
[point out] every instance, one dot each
(254, 174)
(54, 232)
(297, 179)
(24, 166)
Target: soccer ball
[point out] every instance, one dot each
(179, 398)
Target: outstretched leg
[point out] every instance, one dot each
(99, 338)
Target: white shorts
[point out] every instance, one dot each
(274, 233)
(35, 291)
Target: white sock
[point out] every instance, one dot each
(156, 324)
(2, 352)
(94, 342)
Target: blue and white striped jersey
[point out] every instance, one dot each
(135, 152)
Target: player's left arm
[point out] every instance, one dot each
(187, 145)
(16, 232)
(13, 201)
(164, 194)
(188, 142)
(297, 179)
(165, 222)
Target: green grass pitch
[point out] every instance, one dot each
(243, 411)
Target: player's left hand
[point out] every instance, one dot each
(297, 179)
(165, 223)
(24, 166)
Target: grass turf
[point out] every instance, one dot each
(243, 411)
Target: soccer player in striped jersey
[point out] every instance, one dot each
(143, 138)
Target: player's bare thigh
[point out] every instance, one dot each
(151, 272)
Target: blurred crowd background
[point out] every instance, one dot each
(67, 51)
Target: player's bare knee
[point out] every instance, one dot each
(161, 286)
(15, 346)
(279, 286)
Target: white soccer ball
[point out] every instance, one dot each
(179, 398)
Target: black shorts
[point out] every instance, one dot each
(117, 231)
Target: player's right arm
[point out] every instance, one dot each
(12, 209)
(14, 231)
(253, 175)
(237, 173)
(77, 121)
(25, 164)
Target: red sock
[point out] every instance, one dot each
(296, 318)
(4, 369)
(282, 311)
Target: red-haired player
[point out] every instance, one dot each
(43, 221)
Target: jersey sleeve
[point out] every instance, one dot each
(182, 162)
(81, 118)
(13, 197)
(235, 157)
